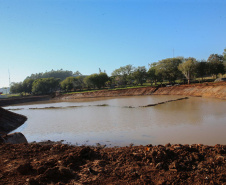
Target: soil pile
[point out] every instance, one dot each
(64, 164)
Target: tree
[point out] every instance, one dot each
(45, 85)
(168, 69)
(88, 82)
(77, 73)
(98, 80)
(79, 82)
(61, 74)
(27, 85)
(224, 56)
(201, 69)
(216, 65)
(67, 84)
(140, 74)
(16, 87)
(188, 68)
(123, 75)
(102, 79)
(152, 75)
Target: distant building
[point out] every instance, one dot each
(4, 90)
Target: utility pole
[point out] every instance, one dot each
(173, 52)
(9, 79)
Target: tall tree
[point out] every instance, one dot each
(123, 75)
(224, 55)
(168, 69)
(98, 80)
(152, 74)
(16, 87)
(140, 74)
(27, 85)
(68, 83)
(201, 69)
(188, 68)
(216, 65)
(45, 85)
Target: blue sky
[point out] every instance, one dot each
(85, 35)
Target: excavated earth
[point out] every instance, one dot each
(63, 164)
(213, 90)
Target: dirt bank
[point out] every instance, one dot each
(25, 99)
(9, 121)
(63, 164)
(214, 90)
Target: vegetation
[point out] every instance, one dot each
(72, 83)
(188, 68)
(170, 70)
(61, 74)
(167, 69)
(123, 75)
(45, 85)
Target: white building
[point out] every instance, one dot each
(4, 90)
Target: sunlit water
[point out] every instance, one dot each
(121, 121)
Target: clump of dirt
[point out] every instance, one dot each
(64, 164)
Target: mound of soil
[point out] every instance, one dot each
(64, 164)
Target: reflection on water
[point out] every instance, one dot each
(121, 121)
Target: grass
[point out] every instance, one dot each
(10, 95)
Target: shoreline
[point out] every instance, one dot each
(211, 90)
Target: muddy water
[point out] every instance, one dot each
(122, 121)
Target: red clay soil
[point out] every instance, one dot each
(214, 90)
(63, 164)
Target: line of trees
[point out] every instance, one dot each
(170, 70)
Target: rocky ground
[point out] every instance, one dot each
(56, 163)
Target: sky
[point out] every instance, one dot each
(85, 35)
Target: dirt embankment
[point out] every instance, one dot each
(9, 121)
(109, 93)
(203, 90)
(215, 90)
(12, 101)
(62, 164)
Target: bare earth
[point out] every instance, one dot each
(55, 163)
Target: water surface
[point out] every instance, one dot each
(121, 121)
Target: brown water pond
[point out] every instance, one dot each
(123, 120)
